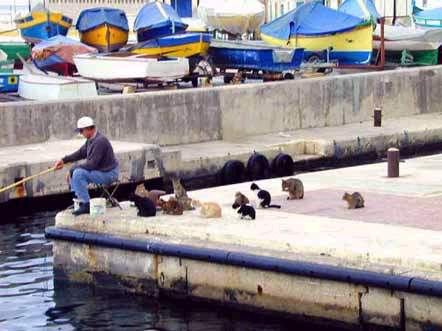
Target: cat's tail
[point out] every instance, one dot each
(274, 206)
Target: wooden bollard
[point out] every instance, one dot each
(393, 159)
(377, 117)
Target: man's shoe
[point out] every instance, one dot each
(83, 209)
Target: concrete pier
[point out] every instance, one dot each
(315, 258)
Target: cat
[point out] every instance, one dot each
(246, 211)
(241, 199)
(295, 188)
(153, 195)
(146, 207)
(208, 209)
(171, 207)
(181, 194)
(354, 200)
(263, 196)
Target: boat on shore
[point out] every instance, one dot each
(156, 20)
(105, 29)
(178, 45)
(321, 30)
(13, 48)
(42, 24)
(36, 85)
(427, 18)
(254, 55)
(232, 16)
(121, 67)
(56, 54)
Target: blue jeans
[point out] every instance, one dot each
(81, 178)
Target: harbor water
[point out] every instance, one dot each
(30, 297)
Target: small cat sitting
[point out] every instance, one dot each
(263, 196)
(241, 199)
(354, 200)
(295, 188)
(181, 194)
(145, 206)
(208, 209)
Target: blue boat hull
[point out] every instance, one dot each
(161, 31)
(49, 61)
(43, 31)
(8, 83)
(262, 58)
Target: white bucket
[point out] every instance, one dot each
(97, 207)
(76, 204)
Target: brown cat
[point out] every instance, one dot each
(153, 195)
(354, 200)
(171, 207)
(240, 199)
(181, 194)
(295, 188)
(208, 209)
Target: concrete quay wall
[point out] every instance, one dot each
(253, 289)
(229, 112)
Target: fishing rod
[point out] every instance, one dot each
(24, 180)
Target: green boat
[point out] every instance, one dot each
(14, 48)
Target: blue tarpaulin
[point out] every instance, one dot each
(311, 19)
(360, 8)
(157, 19)
(183, 7)
(91, 18)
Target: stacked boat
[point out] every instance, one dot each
(405, 45)
(42, 24)
(161, 32)
(322, 32)
(105, 29)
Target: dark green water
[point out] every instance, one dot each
(30, 298)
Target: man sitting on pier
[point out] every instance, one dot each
(101, 166)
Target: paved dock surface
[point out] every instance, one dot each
(397, 232)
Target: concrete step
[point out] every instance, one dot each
(306, 144)
(137, 162)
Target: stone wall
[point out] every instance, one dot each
(229, 112)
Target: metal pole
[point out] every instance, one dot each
(393, 162)
(394, 12)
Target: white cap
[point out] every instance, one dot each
(85, 122)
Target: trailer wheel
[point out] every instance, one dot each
(289, 75)
(314, 58)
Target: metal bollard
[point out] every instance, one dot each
(393, 159)
(377, 117)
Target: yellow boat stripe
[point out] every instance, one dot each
(356, 40)
(41, 17)
(178, 50)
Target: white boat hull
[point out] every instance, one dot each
(130, 67)
(398, 38)
(42, 88)
(408, 45)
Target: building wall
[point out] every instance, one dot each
(72, 8)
